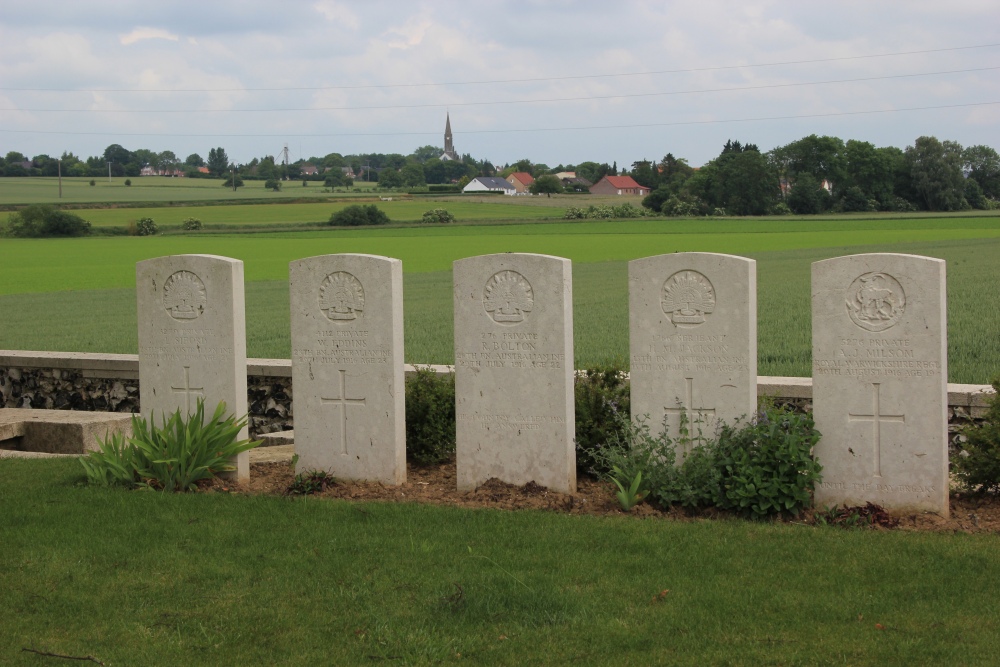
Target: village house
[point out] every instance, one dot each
(618, 185)
(521, 181)
(489, 184)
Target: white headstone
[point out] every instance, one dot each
(347, 366)
(880, 374)
(514, 370)
(192, 338)
(693, 340)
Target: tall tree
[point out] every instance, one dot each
(936, 173)
(218, 161)
(983, 164)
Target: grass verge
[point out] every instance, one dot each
(215, 579)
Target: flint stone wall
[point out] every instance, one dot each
(110, 383)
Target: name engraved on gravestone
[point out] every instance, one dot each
(192, 337)
(347, 366)
(513, 370)
(692, 340)
(879, 381)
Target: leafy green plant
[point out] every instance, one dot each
(357, 215)
(191, 224)
(39, 220)
(145, 227)
(430, 417)
(438, 215)
(767, 465)
(272, 184)
(601, 397)
(861, 516)
(310, 482)
(173, 457)
(978, 462)
(631, 495)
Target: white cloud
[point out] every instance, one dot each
(140, 34)
(338, 12)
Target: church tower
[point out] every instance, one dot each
(449, 146)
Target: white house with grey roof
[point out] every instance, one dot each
(489, 184)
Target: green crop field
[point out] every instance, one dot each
(45, 190)
(78, 294)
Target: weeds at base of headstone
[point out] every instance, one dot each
(869, 515)
(310, 482)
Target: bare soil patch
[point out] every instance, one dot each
(436, 485)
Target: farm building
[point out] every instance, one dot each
(489, 184)
(618, 185)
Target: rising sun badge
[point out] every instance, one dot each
(341, 297)
(184, 296)
(507, 297)
(687, 298)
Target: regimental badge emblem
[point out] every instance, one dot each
(687, 298)
(875, 301)
(341, 297)
(184, 296)
(508, 298)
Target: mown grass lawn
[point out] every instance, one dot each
(214, 579)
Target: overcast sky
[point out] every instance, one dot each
(555, 82)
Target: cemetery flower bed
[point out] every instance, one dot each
(437, 485)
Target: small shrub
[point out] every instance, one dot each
(145, 227)
(43, 221)
(438, 215)
(602, 399)
(430, 417)
(767, 465)
(757, 469)
(192, 224)
(174, 457)
(977, 465)
(357, 215)
(575, 213)
(92, 183)
(310, 482)
(272, 184)
(128, 182)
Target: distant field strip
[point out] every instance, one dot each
(45, 265)
(103, 320)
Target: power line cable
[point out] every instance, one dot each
(583, 98)
(495, 81)
(516, 130)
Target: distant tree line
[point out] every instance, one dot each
(823, 174)
(812, 175)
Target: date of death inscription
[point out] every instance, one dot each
(171, 344)
(691, 352)
(345, 348)
(509, 350)
(876, 357)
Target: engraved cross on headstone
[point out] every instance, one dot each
(343, 402)
(187, 389)
(687, 409)
(876, 418)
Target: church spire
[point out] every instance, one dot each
(449, 146)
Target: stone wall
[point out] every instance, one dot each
(110, 383)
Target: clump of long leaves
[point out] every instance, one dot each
(174, 457)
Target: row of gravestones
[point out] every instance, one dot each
(879, 340)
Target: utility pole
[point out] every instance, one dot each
(109, 172)
(233, 172)
(60, 178)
